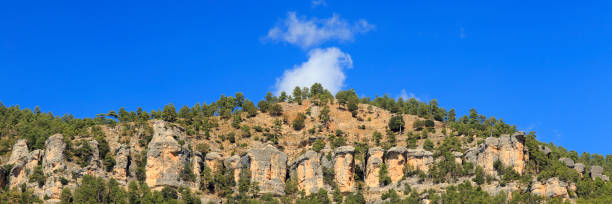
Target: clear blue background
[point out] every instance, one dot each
(543, 65)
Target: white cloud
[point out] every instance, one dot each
(316, 3)
(324, 66)
(307, 33)
(405, 95)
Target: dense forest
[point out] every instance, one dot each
(200, 121)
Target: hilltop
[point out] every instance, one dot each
(305, 147)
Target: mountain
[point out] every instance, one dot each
(307, 147)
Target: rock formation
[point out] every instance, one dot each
(396, 161)
(597, 172)
(268, 168)
(234, 165)
(308, 172)
(344, 168)
(419, 159)
(213, 161)
(122, 161)
(53, 163)
(165, 157)
(374, 163)
(510, 150)
(20, 152)
(552, 187)
(567, 161)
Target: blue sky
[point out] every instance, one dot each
(545, 66)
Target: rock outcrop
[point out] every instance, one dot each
(95, 166)
(213, 161)
(419, 159)
(268, 168)
(597, 172)
(552, 188)
(374, 163)
(22, 169)
(234, 165)
(165, 157)
(579, 167)
(396, 161)
(53, 165)
(567, 161)
(509, 150)
(344, 168)
(122, 164)
(308, 172)
(20, 152)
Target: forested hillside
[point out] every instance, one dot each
(309, 146)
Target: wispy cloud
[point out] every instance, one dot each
(307, 33)
(462, 33)
(316, 3)
(325, 66)
(405, 95)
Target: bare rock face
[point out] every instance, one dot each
(510, 150)
(268, 168)
(395, 161)
(20, 152)
(419, 159)
(213, 161)
(53, 165)
(307, 168)
(597, 172)
(374, 163)
(54, 154)
(344, 168)
(165, 157)
(567, 161)
(122, 161)
(553, 188)
(234, 164)
(23, 168)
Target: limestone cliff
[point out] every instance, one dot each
(268, 168)
(509, 149)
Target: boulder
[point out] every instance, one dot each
(308, 172)
(165, 157)
(373, 165)
(396, 161)
(268, 167)
(567, 161)
(509, 149)
(344, 168)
